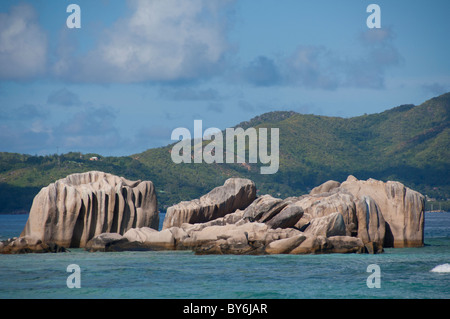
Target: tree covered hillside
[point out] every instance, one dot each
(408, 143)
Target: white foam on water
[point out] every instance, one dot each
(441, 268)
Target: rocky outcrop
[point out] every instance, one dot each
(264, 208)
(385, 213)
(75, 209)
(371, 223)
(352, 217)
(325, 187)
(324, 204)
(302, 244)
(286, 245)
(102, 212)
(312, 245)
(287, 217)
(140, 239)
(236, 193)
(103, 241)
(113, 242)
(23, 245)
(345, 245)
(233, 218)
(327, 226)
(167, 239)
(240, 238)
(401, 208)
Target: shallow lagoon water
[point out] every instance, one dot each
(405, 272)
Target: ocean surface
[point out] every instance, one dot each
(405, 272)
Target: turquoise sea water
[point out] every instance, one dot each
(405, 273)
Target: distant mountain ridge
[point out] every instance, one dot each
(408, 143)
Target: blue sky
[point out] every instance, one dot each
(136, 70)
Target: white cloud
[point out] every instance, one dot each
(23, 44)
(168, 40)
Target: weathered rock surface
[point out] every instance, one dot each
(325, 187)
(102, 212)
(371, 224)
(401, 208)
(115, 245)
(373, 248)
(264, 208)
(312, 245)
(386, 213)
(325, 204)
(345, 244)
(233, 218)
(240, 238)
(27, 244)
(103, 241)
(287, 217)
(327, 226)
(167, 239)
(75, 209)
(286, 245)
(334, 218)
(236, 193)
(139, 239)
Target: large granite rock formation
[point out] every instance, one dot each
(236, 193)
(72, 210)
(352, 217)
(249, 238)
(386, 213)
(401, 208)
(102, 212)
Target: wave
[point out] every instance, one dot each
(441, 268)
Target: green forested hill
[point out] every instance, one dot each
(408, 143)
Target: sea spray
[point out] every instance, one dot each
(441, 268)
